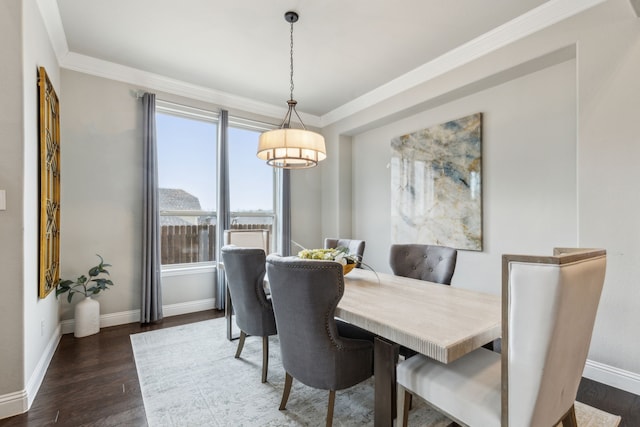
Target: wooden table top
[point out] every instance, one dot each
(442, 322)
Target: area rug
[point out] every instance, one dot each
(190, 378)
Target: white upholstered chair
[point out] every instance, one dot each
(258, 238)
(549, 308)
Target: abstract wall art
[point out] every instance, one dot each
(436, 191)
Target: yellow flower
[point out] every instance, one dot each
(339, 254)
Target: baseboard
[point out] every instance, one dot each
(43, 364)
(19, 402)
(188, 307)
(132, 316)
(13, 404)
(614, 377)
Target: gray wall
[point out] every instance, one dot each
(102, 186)
(41, 318)
(597, 203)
(11, 178)
(102, 190)
(585, 88)
(28, 324)
(528, 176)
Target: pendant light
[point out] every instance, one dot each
(287, 147)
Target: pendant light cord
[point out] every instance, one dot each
(286, 147)
(291, 62)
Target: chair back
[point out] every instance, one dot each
(305, 294)
(355, 247)
(549, 309)
(257, 238)
(245, 269)
(424, 262)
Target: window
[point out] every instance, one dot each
(251, 182)
(187, 184)
(188, 177)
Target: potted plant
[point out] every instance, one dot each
(87, 311)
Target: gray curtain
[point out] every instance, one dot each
(151, 305)
(223, 204)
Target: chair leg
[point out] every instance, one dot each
(569, 419)
(404, 401)
(265, 358)
(332, 401)
(288, 379)
(240, 343)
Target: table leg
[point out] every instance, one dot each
(385, 360)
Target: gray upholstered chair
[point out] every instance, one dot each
(424, 262)
(315, 348)
(549, 307)
(355, 247)
(245, 270)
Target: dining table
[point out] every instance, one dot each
(440, 321)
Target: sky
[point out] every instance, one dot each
(187, 160)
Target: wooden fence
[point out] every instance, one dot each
(182, 244)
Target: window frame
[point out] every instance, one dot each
(196, 113)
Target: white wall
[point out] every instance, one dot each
(608, 176)
(41, 318)
(101, 182)
(28, 325)
(602, 197)
(102, 196)
(305, 208)
(528, 173)
(593, 110)
(11, 220)
(186, 288)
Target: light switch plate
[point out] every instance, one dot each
(3, 200)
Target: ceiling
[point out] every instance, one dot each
(342, 49)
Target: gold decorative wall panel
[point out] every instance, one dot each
(49, 185)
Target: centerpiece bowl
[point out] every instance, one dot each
(346, 268)
(340, 255)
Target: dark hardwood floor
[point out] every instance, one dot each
(92, 381)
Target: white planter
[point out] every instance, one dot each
(87, 318)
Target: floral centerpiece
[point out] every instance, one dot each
(339, 254)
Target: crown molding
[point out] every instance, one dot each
(53, 23)
(531, 22)
(109, 70)
(524, 25)
(151, 81)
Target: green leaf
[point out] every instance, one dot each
(82, 283)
